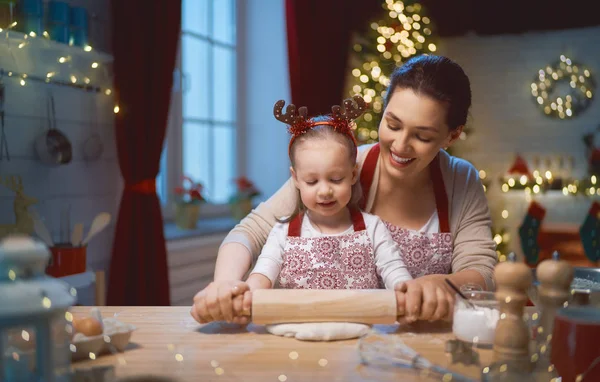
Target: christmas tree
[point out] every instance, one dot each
(402, 30)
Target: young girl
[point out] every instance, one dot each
(327, 243)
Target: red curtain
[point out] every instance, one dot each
(145, 36)
(319, 34)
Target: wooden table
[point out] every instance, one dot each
(169, 343)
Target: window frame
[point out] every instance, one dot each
(172, 169)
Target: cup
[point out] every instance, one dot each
(575, 352)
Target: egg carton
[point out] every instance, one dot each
(115, 337)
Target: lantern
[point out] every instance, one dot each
(35, 325)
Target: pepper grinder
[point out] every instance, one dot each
(512, 339)
(555, 278)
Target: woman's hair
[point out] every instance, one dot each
(324, 132)
(439, 78)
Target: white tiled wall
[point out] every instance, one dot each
(86, 187)
(506, 120)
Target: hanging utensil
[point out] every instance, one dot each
(53, 147)
(3, 141)
(93, 146)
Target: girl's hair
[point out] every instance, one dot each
(439, 78)
(324, 132)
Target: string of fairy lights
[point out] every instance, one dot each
(539, 183)
(74, 80)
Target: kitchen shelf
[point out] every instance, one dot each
(26, 58)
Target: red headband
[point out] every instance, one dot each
(341, 121)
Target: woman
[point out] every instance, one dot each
(433, 204)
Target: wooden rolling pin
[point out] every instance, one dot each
(368, 306)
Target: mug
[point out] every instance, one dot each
(575, 352)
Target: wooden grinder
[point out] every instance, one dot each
(555, 278)
(511, 341)
(273, 306)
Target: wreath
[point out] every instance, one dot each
(580, 83)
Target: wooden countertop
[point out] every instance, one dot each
(169, 343)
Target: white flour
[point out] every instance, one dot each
(475, 325)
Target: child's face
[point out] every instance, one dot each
(324, 175)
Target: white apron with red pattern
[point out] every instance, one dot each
(423, 253)
(329, 262)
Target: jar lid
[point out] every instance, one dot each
(22, 257)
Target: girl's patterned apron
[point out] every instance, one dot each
(329, 262)
(423, 254)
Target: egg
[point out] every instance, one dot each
(87, 326)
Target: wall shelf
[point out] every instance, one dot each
(37, 58)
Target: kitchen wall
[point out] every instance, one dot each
(83, 187)
(506, 121)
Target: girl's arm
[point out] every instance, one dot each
(388, 257)
(269, 262)
(258, 281)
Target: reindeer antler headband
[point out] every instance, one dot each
(340, 120)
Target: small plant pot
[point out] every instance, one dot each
(241, 208)
(186, 215)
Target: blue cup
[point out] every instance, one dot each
(32, 23)
(31, 7)
(79, 36)
(79, 17)
(59, 12)
(59, 32)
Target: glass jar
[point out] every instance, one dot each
(476, 325)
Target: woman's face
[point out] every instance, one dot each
(412, 132)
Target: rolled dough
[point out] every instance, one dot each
(320, 331)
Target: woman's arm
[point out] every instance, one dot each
(474, 255)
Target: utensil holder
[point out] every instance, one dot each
(67, 260)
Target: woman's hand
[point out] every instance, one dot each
(425, 298)
(217, 302)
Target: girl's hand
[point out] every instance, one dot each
(425, 298)
(242, 308)
(215, 302)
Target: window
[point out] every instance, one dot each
(201, 139)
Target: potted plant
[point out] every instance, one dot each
(187, 204)
(241, 202)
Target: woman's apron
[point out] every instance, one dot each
(423, 253)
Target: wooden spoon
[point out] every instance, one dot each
(100, 222)
(77, 235)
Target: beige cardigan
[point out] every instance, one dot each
(470, 221)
